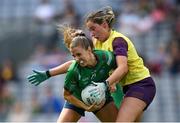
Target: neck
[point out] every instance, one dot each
(92, 61)
(108, 34)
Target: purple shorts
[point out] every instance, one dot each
(144, 90)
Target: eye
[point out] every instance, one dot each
(92, 28)
(78, 54)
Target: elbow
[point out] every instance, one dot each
(67, 95)
(66, 98)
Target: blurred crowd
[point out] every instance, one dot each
(153, 26)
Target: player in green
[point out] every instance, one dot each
(88, 66)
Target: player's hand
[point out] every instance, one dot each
(95, 107)
(91, 108)
(112, 88)
(37, 77)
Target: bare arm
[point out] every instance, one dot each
(120, 48)
(75, 101)
(72, 99)
(120, 71)
(61, 69)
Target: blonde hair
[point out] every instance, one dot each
(104, 14)
(74, 37)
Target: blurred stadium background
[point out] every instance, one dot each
(29, 40)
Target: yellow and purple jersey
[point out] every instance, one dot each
(121, 45)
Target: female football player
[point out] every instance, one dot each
(138, 85)
(88, 65)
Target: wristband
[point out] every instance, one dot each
(48, 74)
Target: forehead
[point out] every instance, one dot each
(76, 49)
(91, 24)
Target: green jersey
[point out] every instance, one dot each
(77, 77)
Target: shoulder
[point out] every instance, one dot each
(72, 74)
(120, 41)
(106, 56)
(119, 37)
(73, 68)
(73, 65)
(102, 53)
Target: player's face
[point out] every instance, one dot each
(81, 55)
(98, 31)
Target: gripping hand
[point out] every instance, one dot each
(101, 85)
(38, 77)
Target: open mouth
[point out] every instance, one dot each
(96, 37)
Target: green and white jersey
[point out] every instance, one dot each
(77, 77)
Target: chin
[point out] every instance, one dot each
(82, 65)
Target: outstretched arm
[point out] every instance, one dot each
(40, 76)
(61, 69)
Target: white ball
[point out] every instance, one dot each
(93, 94)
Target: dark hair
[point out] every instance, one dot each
(105, 14)
(82, 41)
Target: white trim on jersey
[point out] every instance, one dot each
(109, 58)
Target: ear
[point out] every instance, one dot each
(105, 25)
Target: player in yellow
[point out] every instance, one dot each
(138, 86)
